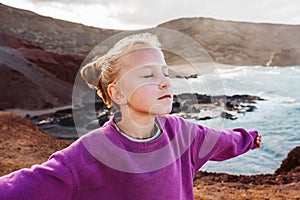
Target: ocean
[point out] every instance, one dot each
(277, 118)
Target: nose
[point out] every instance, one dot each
(164, 83)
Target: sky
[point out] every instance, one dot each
(139, 14)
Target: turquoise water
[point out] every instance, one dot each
(277, 118)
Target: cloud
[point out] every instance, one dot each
(153, 12)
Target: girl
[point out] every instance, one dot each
(141, 152)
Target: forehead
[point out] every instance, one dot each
(144, 57)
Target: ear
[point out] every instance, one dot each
(116, 95)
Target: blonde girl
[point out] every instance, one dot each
(141, 152)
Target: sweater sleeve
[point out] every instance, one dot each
(51, 180)
(219, 145)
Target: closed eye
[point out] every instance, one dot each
(148, 76)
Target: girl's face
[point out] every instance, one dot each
(143, 80)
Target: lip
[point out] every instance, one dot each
(166, 96)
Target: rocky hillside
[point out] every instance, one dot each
(32, 78)
(51, 34)
(240, 43)
(23, 144)
(227, 42)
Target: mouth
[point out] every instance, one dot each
(167, 96)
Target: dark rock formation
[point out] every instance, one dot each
(286, 174)
(185, 105)
(291, 163)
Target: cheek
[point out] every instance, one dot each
(144, 94)
(134, 85)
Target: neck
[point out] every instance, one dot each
(137, 125)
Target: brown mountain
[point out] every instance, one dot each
(51, 34)
(241, 43)
(227, 42)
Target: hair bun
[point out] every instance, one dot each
(91, 73)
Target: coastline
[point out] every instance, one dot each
(26, 112)
(188, 70)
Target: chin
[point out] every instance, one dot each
(159, 110)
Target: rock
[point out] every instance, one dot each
(176, 107)
(203, 118)
(287, 173)
(292, 162)
(103, 117)
(64, 117)
(191, 76)
(190, 106)
(227, 115)
(186, 104)
(250, 108)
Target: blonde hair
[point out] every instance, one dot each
(101, 72)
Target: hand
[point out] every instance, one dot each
(258, 141)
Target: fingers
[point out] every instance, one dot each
(258, 140)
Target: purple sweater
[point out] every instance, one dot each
(104, 164)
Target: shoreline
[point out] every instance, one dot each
(188, 70)
(38, 112)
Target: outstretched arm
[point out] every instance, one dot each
(51, 180)
(219, 145)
